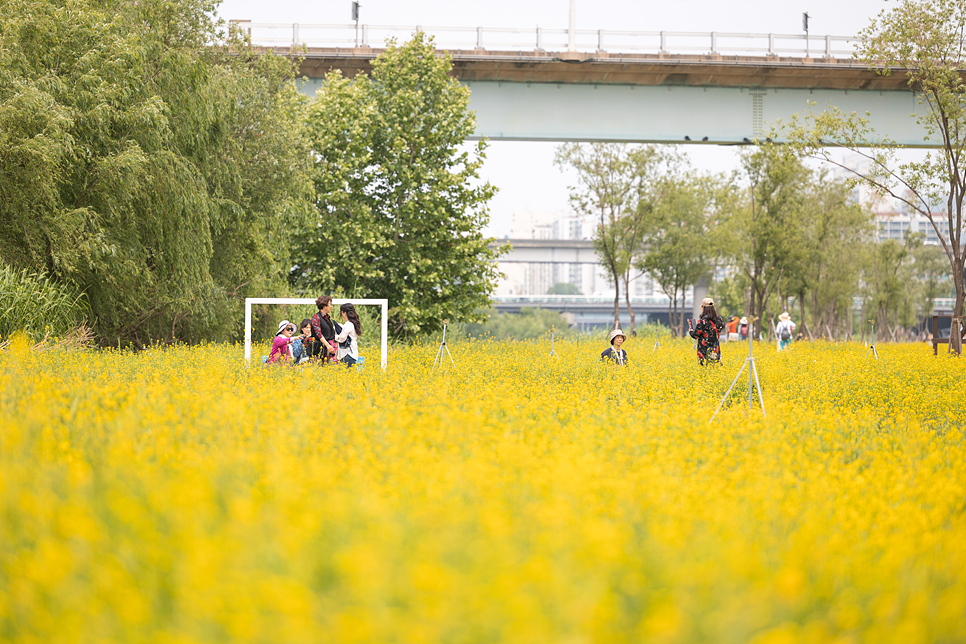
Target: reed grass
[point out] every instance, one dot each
(38, 306)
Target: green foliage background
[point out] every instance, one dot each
(148, 158)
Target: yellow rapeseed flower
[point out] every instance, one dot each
(175, 495)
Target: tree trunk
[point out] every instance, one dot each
(684, 308)
(671, 302)
(956, 324)
(816, 314)
(801, 305)
(630, 310)
(760, 315)
(617, 299)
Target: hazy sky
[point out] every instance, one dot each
(524, 171)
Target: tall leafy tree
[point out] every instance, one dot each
(770, 227)
(893, 297)
(679, 244)
(901, 281)
(614, 186)
(147, 156)
(399, 204)
(825, 272)
(926, 40)
(930, 273)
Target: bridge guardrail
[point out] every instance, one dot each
(577, 299)
(600, 40)
(939, 304)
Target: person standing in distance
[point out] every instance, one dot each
(614, 353)
(706, 332)
(785, 331)
(348, 337)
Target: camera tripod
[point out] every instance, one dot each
(872, 350)
(442, 346)
(752, 380)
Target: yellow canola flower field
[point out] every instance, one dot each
(176, 496)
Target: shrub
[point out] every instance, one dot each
(36, 305)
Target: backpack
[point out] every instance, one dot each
(786, 333)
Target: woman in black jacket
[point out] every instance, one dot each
(323, 329)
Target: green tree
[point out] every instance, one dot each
(926, 40)
(148, 157)
(893, 292)
(826, 275)
(904, 279)
(613, 183)
(769, 228)
(679, 245)
(399, 206)
(931, 273)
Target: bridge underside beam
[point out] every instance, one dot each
(557, 251)
(539, 96)
(670, 114)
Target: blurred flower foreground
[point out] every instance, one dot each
(174, 495)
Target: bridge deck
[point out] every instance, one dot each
(631, 69)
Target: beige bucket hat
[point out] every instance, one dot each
(785, 316)
(614, 334)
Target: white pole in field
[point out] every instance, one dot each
(383, 303)
(248, 332)
(383, 349)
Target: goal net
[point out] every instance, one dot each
(382, 303)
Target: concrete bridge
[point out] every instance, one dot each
(645, 87)
(548, 251)
(591, 311)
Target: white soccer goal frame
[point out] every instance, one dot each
(384, 336)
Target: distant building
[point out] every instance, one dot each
(897, 225)
(894, 219)
(537, 279)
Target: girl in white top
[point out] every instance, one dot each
(351, 330)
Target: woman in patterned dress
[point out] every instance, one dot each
(706, 332)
